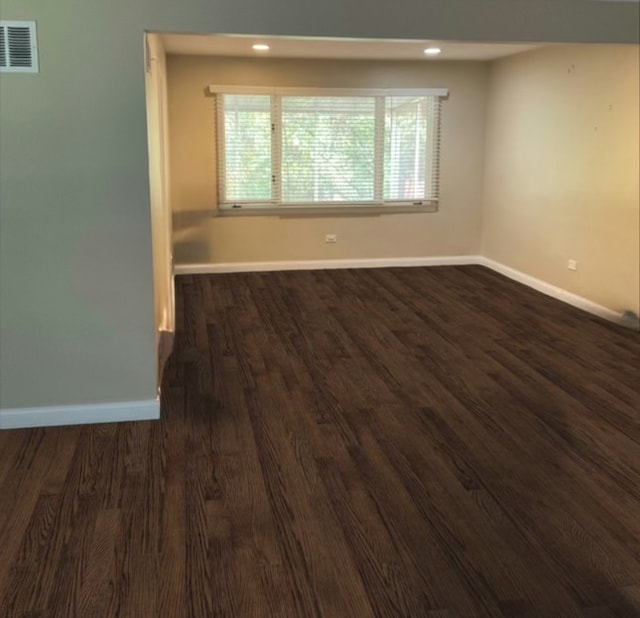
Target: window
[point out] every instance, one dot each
(296, 149)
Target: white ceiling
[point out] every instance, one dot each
(354, 49)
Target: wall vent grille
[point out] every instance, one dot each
(18, 47)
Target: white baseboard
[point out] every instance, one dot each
(556, 292)
(449, 260)
(78, 415)
(243, 267)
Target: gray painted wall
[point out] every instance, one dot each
(77, 315)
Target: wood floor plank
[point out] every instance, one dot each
(422, 442)
(99, 577)
(19, 496)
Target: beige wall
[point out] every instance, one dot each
(562, 170)
(159, 177)
(201, 237)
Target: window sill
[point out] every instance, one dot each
(325, 211)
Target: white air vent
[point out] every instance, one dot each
(18, 47)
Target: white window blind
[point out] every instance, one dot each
(245, 154)
(314, 150)
(411, 148)
(328, 149)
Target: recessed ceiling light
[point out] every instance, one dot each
(432, 51)
(260, 47)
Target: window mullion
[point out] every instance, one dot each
(378, 189)
(276, 149)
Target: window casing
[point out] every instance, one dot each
(308, 148)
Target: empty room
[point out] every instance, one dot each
(334, 313)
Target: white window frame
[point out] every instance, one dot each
(378, 204)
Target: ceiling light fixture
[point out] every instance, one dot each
(260, 47)
(432, 51)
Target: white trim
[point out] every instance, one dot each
(551, 290)
(279, 207)
(450, 260)
(80, 414)
(243, 267)
(329, 92)
(317, 210)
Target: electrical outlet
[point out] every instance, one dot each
(331, 238)
(572, 265)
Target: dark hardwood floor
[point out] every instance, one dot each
(351, 443)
